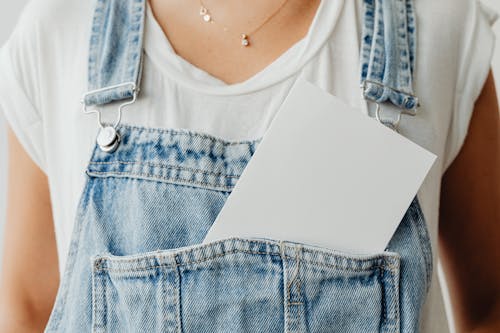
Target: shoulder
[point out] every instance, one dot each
(455, 48)
(53, 12)
(47, 40)
(49, 20)
(49, 29)
(449, 30)
(452, 16)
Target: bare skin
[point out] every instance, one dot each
(471, 189)
(207, 46)
(469, 227)
(30, 274)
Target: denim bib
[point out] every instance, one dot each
(135, 262)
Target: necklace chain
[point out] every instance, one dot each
(206, 15)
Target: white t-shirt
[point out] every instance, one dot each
(43, 74)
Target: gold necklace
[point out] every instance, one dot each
(244, 37)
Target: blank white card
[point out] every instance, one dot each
(325, 174)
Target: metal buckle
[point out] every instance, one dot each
(392, 124)
(108, 138)
(411, 112)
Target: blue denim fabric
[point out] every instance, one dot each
(388, 52)
(135, 262)
(115, 53)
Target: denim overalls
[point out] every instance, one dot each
(135, 262)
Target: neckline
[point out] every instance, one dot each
(173, 66)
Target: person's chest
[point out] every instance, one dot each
(215, 46)
(164, 103)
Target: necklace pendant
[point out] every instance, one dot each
(205, 14)
(244, 40)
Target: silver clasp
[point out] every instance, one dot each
(108, 137)
(393, 124)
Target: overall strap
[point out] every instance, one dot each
(115, 52)
(388, 50)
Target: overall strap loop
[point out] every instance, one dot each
(388, 50)
(115, 53)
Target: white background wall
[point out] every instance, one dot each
(8, 16)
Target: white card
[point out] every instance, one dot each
(325, 174)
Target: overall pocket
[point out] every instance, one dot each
(245, 285)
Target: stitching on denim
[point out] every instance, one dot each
(103, 290)
(273, 244)
(74, 248)
(396, 90)
(178, 322)
(95, 42)
(394, 286)
(105, 294)
(384, 297)
(130, 68)
(188, 133)
(391, 296)
(299, 293)
(164, 285)
(374, 58)
(167, 166)
(159, 178)
(346, 256)
(286, 309)
(135, 38)
(339, 267)
(94, 311)
(94, 303)
(295, 277)
(418, 219)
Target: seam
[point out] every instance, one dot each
(100, 289)
(425, 245)
(188, 133)
(264, 241)
(347, 269)
(178, 322)
(295, 278)
(69, 269)
(396, 299)
(384, 297)
(286, 308)
(158, 178)
(165, 166)
(94, 311)
(382, 85)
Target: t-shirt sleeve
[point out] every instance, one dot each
(20, 85)
(475, 55)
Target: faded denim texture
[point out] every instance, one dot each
(135, 263)
(388, 52)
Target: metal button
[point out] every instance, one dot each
(108, 139)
